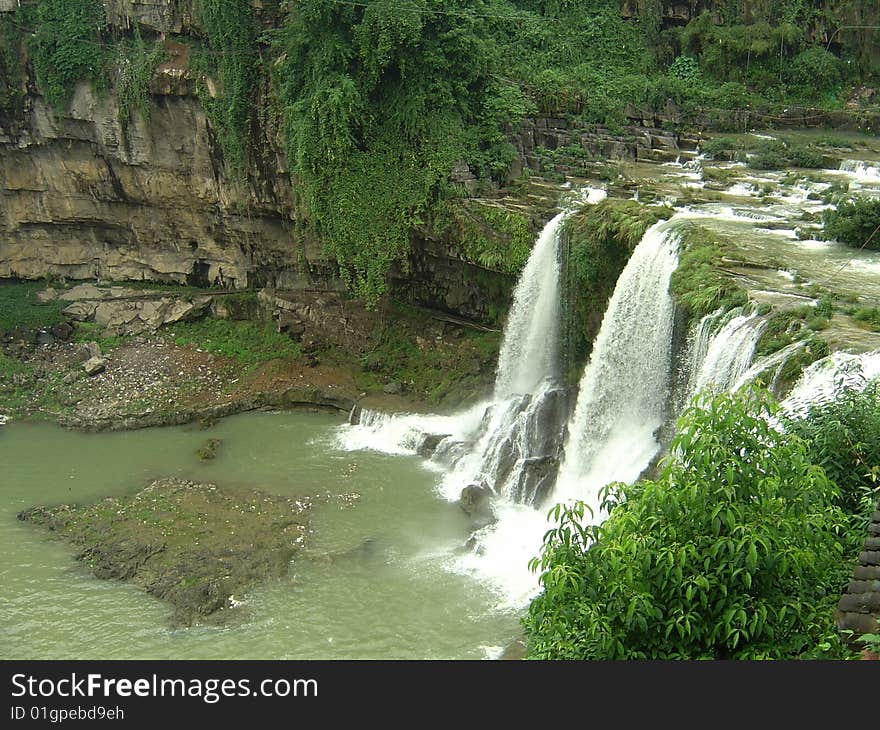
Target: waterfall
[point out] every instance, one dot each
(822, 380)
(719, 357)
(509, 444)
(861, 170)
(624, 390)
(530, 343)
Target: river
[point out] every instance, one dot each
(398, 595)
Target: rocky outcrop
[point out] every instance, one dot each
(858, 610)
(122, 311)
(201, 548)
(84, 197)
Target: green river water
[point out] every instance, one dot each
(400, 599)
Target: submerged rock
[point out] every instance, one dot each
(192, 544)
(430, 443)
(208, 450)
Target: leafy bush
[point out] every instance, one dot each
(685, 68)
(719, 148)
(843, 437)
(736, 551)
(854, 222)
(775, 154)
(815, 71)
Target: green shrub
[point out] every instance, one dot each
(815, 71)
(736, 551)
(843, 437)
(870, 316)
(854, 222)
(685, 68)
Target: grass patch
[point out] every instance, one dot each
(21, 310)
(698, 284)
(249, 343)
(869, 317)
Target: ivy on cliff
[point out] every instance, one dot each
(232, 61)
(135, 65)
(66, 46)
(11, 72)
(380, 101)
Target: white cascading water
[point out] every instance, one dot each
(721, 356)
(820, 381)
(623, 394)
(508, 443)
(530, 343)
(490, 444)
(861, 170)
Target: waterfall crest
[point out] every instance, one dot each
(530, 343)
(623, 393)
(722, 350)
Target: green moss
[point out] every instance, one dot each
(698, 284)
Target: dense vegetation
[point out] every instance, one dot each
(376, 101)
(739, 549)
(855, 222)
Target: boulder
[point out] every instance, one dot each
(430, 443)
(94, 365)
(291, 325)
(476, 501)
(81, 311)
(393, 388)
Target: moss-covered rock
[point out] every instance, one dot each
(196, 545)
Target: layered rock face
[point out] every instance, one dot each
(83, 197)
